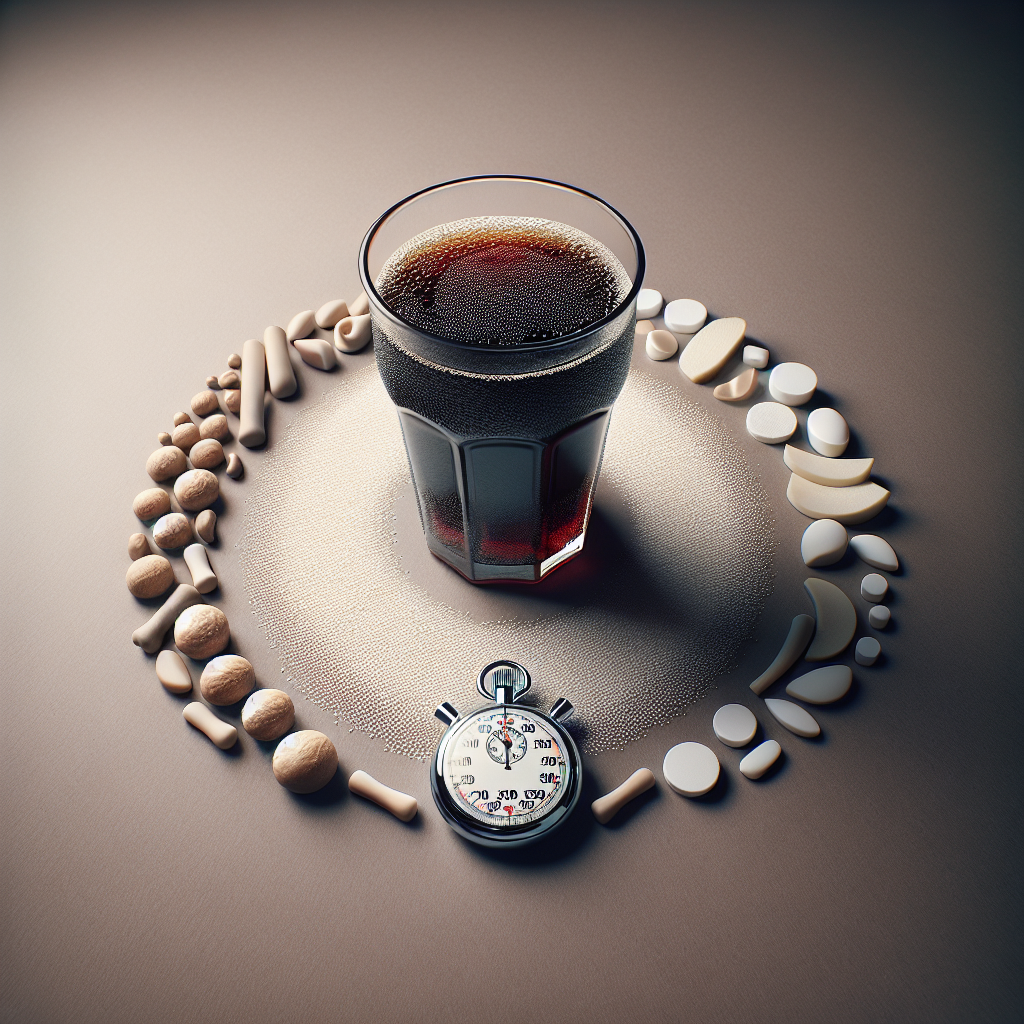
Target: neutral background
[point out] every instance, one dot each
(846, 178)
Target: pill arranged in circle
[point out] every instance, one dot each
(754, 355)
(760, 759)
(823, 685)
(867, 651)
(691, 769)
(875, 551)
(874, 587)
(827, 432)
(823, 543)
(661, 345)
(735, 725)
(649, 303)
(685, 316)
(793, 717)
(740, 388)
(792, 383)
(771, 422)
(879, 616)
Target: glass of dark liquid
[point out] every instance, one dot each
(503, 311)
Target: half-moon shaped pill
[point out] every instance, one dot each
(739, 388)
(829, 472)
(836, 620)
(800, 632)
(847, 505)
(822, 686)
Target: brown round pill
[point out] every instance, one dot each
(227, 679)
(212, 383)
(229, 379)
(205, 403)
(197, 489)
(163, 437)
(206, 525)
(172, 531)
(201, 631)
(149, 576)
(215, 426)
(305, 761)
(181, 417)
(138, 545)
(151, 503)
(167, 462)
(268, 714)
(233, 399)
(206, 454)
(185, 435)
(235, 361)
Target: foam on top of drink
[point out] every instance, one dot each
(503, 280)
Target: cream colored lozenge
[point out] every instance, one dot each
(173, 673)
(252, 431)
(848, 505)
(330, 313)
(279, 366)
(220, 733)
(316, 352)
(760, 759)
(605, 808)
(401, 805)
(770, 422)
(661, 345)
(711, 347)
(353, 333)
(792, 383)
(359, 305)
(827, 432)
(301, 325)
(825, 471)
(739, 389)
(204, 579)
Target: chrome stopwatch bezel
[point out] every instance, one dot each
(507, 836)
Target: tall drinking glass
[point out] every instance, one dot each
(504, 433)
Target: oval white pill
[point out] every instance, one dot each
(823, 543)
(867, 651)
(760, 759)
(770, 422)
(793, 717)
(754, 355)
(879, 616)
(735, 725)
(875, 551)
(873, 587)
(828, 432)
(691, 769)
(685, 316)
(661, 345)
(792, 383)
(649, 303)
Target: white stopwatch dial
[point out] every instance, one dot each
(504, 775)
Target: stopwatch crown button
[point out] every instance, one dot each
(561, 709)
(446, 712)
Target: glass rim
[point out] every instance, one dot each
(553, 344)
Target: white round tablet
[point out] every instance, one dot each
(754, 355)
(691, 769)
(685, 316)
(828, 432)
(873, 587)
(867, 651)
(879, 616)
(792, 383)
(770, 422)
(661, 345)
(823, 543)
(648, 303)
(735, 725)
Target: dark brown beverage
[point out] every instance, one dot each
(504, 463)
(498, 281)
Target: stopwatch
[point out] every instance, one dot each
(505, 775)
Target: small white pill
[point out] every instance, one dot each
(875, 551)
(760, 759)
(685, 316)
(649, 303)
(331, 312)
(873, 587)
(792, 383)
(352, 333)
(879, 616)
(754, 355)
(823, 543)
(828, 432)
(867, 651)
(661, 345)
(793, 717)
(691, 769)
(359, 305)
(735, 725)
(770, 422)
(301, 325)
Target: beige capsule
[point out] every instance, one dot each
(401, 805)
(181, 417)
(138, 545)
(215, 426)
(235, 469)
(219, 732)
(268, 714)
(279, 366)
(201, 631)
(229, 379)
(227, 679)
(163, 437)
(252, 429)
(149, 576)
(151, 503)
(353, 333)
(206, 525)
(171, 531)
(305, 761)
(234, 361)
(207, 454)
(316, 352)
(166, 463)
(173, 673)
(184, 436)
(301, 325)
(233, 400)
(359, 305)
(204, 579)
(197, 489)
(331, 312)
(205, 403)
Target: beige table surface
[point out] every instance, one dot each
(176, 177)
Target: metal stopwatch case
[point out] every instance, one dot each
(505, 775)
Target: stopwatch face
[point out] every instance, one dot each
(507, 767)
